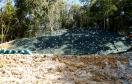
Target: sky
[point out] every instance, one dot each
(73, 0)
(69, 1)
(1, 3)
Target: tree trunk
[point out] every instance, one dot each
(104, 23)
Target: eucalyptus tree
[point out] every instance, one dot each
(29, 14)
(6, 18)
(119, 17)
(102, 10)
(74, 14)
(55, 14)
(35, 15)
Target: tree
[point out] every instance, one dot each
(38, 15)
(29, 14)
(55, 12)
(110, 14)
(102, 10)
(75, 15)
(6, 17)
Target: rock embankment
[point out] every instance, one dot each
(74, 42)
(42, 69)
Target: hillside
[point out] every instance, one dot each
(73, 42)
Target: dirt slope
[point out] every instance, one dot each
(42, 69)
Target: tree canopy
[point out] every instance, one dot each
(29, 18)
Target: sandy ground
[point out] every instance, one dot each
(49, 69)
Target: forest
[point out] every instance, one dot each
(27, 18)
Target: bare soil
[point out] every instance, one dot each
(50, 69)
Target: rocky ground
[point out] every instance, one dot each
(73, 42)
(49, 69)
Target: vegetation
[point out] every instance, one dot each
(27, 18)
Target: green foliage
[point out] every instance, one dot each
(31, 17)
(33, 14)
(6, 17)
(107, 13)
